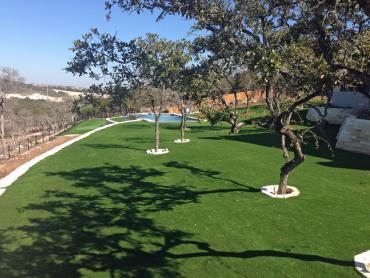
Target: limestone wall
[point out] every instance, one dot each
(346, 99)
(354, 135)
(334, 115)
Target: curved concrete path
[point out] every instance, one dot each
(15, 174)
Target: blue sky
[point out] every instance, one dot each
(36, 34)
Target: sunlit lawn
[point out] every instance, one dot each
(103, 208)
(86, 126)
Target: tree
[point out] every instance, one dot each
(227, 80)
(303, 77)
(157, 99)
(340, 31)
(330, 44)
(9, 80)
(183, 100)
(261, 34)
(248, 81)
(76, 110)
(121, 99)
(246, 32)
(159, 65)
(210, 84)
(149, 65)
(105, 100)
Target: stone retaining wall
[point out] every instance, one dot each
(354, 135)
(334, 116)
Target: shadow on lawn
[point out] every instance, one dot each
(104, 223)
(211, 174)
(146, 140)
(195, 127)
(112, 146)
(150, 144)
(341, 159)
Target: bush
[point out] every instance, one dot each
(212, 115)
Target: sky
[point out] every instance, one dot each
(36, 34)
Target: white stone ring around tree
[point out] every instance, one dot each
(157, 152)
(181, 141)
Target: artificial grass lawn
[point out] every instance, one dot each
(255, 112)
(118, 119)
(103, 208)
(85, 126)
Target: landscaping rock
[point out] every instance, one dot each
(362, 263)
(271, 191)
(182, 141)
(160, 151)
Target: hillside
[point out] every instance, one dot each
(22, 114)
(44, 92)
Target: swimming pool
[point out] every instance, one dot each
(165, 117)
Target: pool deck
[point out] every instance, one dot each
(172, 114)
(179, 115)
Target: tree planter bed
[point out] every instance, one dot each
(160, 151)
(362, 263)
(182, 141)
(271, 191)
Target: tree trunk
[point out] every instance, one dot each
(2, 130)
(233, 122)
(270, 100)
(183, 117)
(249, 99)
(235, 103)
(156, 146)
(291, 164)
(234, 115)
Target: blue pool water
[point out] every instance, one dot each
(164, 117)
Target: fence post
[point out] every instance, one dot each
(28, 143)
(43, 138)
(19, 147)
(36, 140)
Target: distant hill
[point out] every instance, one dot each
(44, 92)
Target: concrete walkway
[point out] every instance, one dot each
(13, 176)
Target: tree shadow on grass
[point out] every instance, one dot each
(206, 251)
(145, 140)
(341, 159)
(198, 128)
(112, 146)
(211, 174)
(103, 222)
(138, 125)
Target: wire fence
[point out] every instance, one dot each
(15, 145)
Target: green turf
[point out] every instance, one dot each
(85, 126)
(103, 208)
(254, 112)
(118, 119)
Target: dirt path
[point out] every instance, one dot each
(7, 166)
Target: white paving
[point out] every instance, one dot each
(160, 151)
(14, 175)
(361, 261)
(270, 190)
(182, 141)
